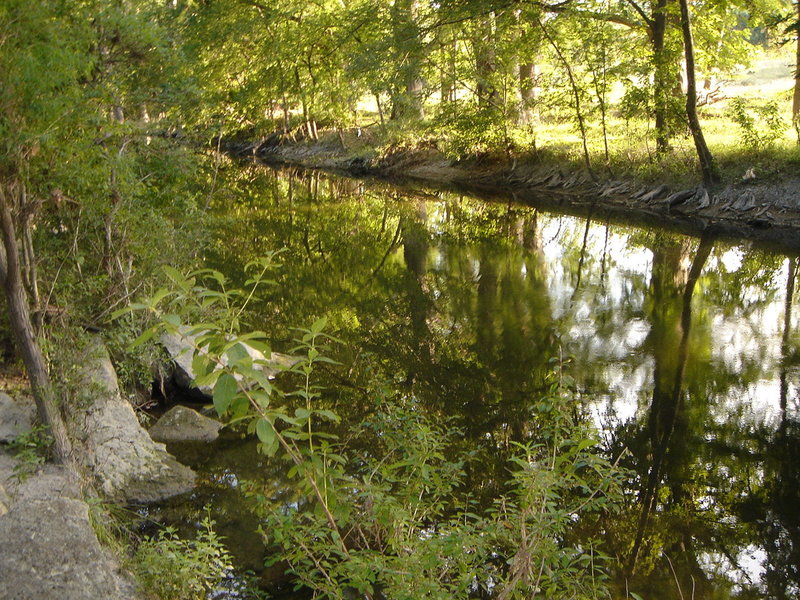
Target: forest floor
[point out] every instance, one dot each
(766, 210)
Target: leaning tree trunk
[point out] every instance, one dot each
(707, 164)
(19, 315)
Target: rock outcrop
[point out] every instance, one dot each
(127, 464)
(16, 416)
(180, 347)
(49, 548)
(182, 424)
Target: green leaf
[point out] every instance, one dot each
(158, 297)
(175, 276)
(201, 364)
(172, 319)
(329, 415)
(237, 353)
(256, 376)
(225, 390)
(124, 311)
(209, 378)
(261, 398)
(319, 325)
(146, 335)
(266, 435)
(325, 359)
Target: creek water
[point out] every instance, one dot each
(684, 351)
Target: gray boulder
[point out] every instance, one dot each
(50, 550)
(126, 463)
(181, 424)
(181, 348)
(16, 416)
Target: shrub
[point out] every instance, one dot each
(172, 568)
(760, 125)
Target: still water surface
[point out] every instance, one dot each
(684, 352)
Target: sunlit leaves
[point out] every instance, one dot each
(225, 390)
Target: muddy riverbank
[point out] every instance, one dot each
(765, 211)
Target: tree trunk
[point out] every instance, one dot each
(796, 99)
(707, 164)
(660, 75)
(407, 93)
(448, 72)
(19, 315)
(576, 93)
(485, 61)
(527, 93)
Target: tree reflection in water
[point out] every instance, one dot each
(683, 350)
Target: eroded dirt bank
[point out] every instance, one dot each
(767, 212)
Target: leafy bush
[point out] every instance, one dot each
(466, 129)
(760, 125)
(390, 516)
(176, 569)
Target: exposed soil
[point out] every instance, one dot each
(767, 212)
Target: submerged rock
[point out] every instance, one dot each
(50, 550)
(182, 424)
(127, 464)
(16, 416)
(180, 347)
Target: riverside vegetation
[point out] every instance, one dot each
(383, 512)
(112, 115)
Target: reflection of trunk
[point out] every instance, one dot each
(603, 262)
(666, 403)
(532, 235)
(707, 164)
(781, 524)
(486, 336)
(787, 327)
(415, 252)
(583, 256)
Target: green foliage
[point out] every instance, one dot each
(388, 512)
(31, 450)
(760, 124)
(172, 568)
(465, 129)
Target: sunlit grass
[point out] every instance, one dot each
(627, 147)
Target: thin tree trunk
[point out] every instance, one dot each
(707, 164)
(380, 108)
(576, 96)
(19, 314)
(796, 99)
